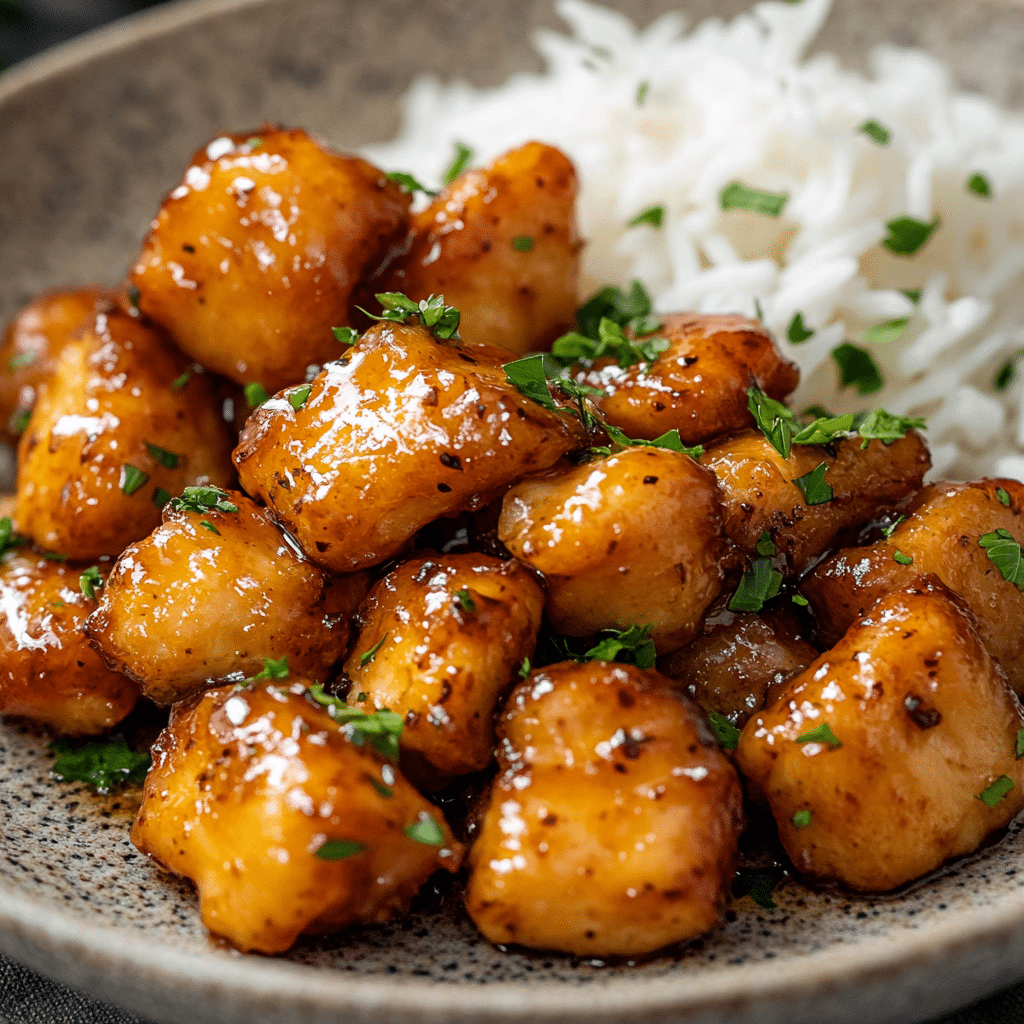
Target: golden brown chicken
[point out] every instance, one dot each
(212, 593)
(288, 821)
(253, 257)
(612, 827)
(894, 751)
(441, 641)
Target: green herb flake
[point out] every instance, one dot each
(163, 456)
(345, 335)
(161, 497)
(887, 531)
(367, 656)
(525, 668)
(207, 525)
(382, 729)
(8, 538)
(765, 545)
(1004, 553)
(134, 295)
(632, 646)
(727, 736)
(641, 93)
(1002, 497)
(652, 215)
(798, 331)
(132, 478)
(878, 134)
(461, 160)
(758, 885)
(271, 670)
(522, 243)
(773, 419)
(203, 499)
(758, 311)
(385, 792)
(996, 793)
(857, 368)
(181, 380)
(802, 818)
(89, 581)
(979, 185)
(814, 487)
(297, 398)
(528, 376)
(254, 142)
(441, 320)
(21, 421)
(407, 183)
(1018, 749)
(425, 830)
(737, 196)
(627, 309)
(907, 235)
(760, 583)
(822, 734)
(1005, 374)
(825, 430)
(465, 600)
(914, 294)
(879, 425)
(21, 360)
(103, 766)
(56, 604)
(903, 559)
(883, 334)
(799, 599)
(339, 849)
(255, 394)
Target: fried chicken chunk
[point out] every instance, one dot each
(212, 593)
(633, 539)
(760, 491)
(401, 431)
(441, 640)
(941, 535)
(894, 751)
(612, 827)
(502, 245)
(117, 425)
(48, 671)
(698, 385)
(285, 823)
(252, 259)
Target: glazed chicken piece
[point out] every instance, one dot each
(48, 671)
(119, 428)
(441, 641)
(212, 593)
(33, 342)
(502, 245)
(402, 430)
(252, 259)
(894, 751)
(612, 827)
(760, 493)
(942, 535)
(738, 658)
(288, 822)
(633, 539)
(698, 385)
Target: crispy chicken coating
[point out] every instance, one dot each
(612, 827)
(894, 751)
(698, 385)
(401, 431)
(940, 535)
(252, 259)
(48, 671)
(211, 594)
(441, 641)
(502, 245)
(633, 539)
(116, 425)
(285, 823)
(759, 492)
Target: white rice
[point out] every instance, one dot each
(737, 101)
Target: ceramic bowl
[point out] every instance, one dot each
(93, 134)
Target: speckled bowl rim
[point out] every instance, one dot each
(981, 949)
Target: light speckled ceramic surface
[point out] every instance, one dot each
(92, 135)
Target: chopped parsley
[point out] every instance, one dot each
(641, 93)
(382, 729)
(522, 243)
(255, 394)
(758, 885)
(632, 646)
(914, 294)
(652, 215)
(132, 478)
(798, 331)
(525, 669)
(883, 334)
(163, 456)
(825, 430)
(765, 545)
(907, 235)
(21, 360)
(207, 525)
(887, 530)
(632, 309)
(367, 656)
(461, 160)
(802, 818)
(1004, 553)
(903, 559)
(425, 830)
(1005, 374)
(773, 419)
(441, 320)
(799, 599)
(1002, 497)
(203, 499)
(1018, 749)
(407, 183)
(979, 185)
(879, 425)
(822, 734)
(996, 793)
(737, 196)
(532, 377)
(877, 133)
(726, 734)
(345, 335)
(611, 341)
(89, 581)
(297, 398)
(8, 538)
(21, 421)
(761, 582)
(271, 670)
(814, 487)
(103, 766)
(857, 368)
(670, 440)
(339, 849)
(181, 380)
(465, 600)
